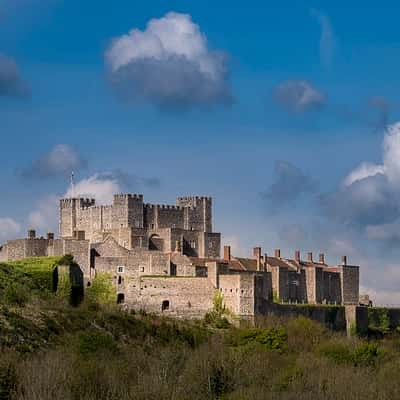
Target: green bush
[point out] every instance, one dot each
(91, 342)
(16, 294)
(363, 355)
(271, 339)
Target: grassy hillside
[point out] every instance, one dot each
(51, 350)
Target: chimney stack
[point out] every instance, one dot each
(227, 253)
(50, 235)
(309, 257)
(297, 255)
(257, 255)
(31, 234)
(277, 253)
(344, 260)
(322, 258)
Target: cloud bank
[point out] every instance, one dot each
(290, 184)
(369, 197)
(169, 64)
(61, 160)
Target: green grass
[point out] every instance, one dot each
(51, 350)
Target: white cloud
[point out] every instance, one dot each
(9, 228)
(45, 215)
(364, 170)
(168, 63)
(391, 161)
(298, 95)
(100, 186)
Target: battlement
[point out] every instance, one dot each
(163, 206)
(123, 196)
(82, 202)
(197, 198)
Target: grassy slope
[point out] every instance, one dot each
(50, 350)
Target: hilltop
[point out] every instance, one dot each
(53, 350)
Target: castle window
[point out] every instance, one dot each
(152, 226)
(192, 244)
(165, 305)
(141, 269)
(120, 269)
(120, 298)
(119, 280)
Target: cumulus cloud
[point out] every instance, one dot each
(290, 183)
(102, 187)
(327, 41)
(61, 160)
(11, 83)
(9, 228)
(298, 96)
(45, 215)
(370, 194)
(168, 64)
(364, 170)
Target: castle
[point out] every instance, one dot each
(166, 259)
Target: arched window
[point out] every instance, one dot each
(165, 305)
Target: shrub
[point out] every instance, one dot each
(271, 339)
(92, 341)
(364, 355)
(16, 294)
(218, 316)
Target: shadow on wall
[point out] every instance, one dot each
(68, 282)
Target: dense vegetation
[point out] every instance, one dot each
(52, 350)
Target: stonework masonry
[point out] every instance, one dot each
(166, 259)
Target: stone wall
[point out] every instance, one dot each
(23, 248)
(181, 296)
(349, 279)
(333, 317)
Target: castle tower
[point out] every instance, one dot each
(69, 209)
(197, 213)
(127, 211)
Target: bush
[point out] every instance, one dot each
(91, 342)
(16, 294)
(364, 355)
(271, 339)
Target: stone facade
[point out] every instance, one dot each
(166, 259)
(135, 224)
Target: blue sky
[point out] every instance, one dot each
(303, 93)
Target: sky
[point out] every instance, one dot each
(286, 113)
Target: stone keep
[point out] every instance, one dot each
(135, 224)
